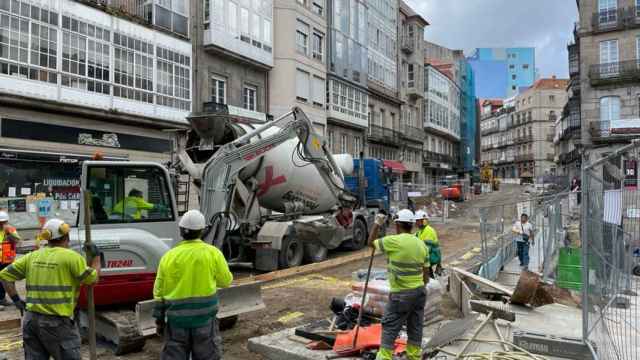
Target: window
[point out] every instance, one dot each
(317, 45)
(302, 38)
(233, 18)
(317, 7)
(250, 98)
(206, 4)
(218, 90)
(410, 76)
(302, 85)
(609, 109)
(513, 87)
(331, 135)
(525, 66)
(129, 194)
(513, 77)
(511, 67)
(319, 93)
(607, 11)
(266, 31)
(173, 79)
(343, 144)
(244, 24)
(552, 98)
(609, 51)
(357, 147)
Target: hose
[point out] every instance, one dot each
(517, 354)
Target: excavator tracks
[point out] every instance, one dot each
(118, 330)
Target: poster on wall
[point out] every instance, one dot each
(630, 174)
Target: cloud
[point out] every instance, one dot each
(469, 24)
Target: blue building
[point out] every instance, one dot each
(468, 117)
(500, 72)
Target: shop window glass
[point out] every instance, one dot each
(129, 194)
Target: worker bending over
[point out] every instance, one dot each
(408, 268)
(186, 287)
(53, 277)
(428, 234)
(9, 239)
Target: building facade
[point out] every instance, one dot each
(608, 46)
(410, 68)
(441, 123)
(300, 55)
(468, 118)
(347, 66)
(233, 53)
(501, 72)
(517, 139)
(76, 78)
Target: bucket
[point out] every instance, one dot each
(569, 272)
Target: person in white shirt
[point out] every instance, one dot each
(524, 238)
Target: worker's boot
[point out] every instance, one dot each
(385, 354)
(414, 352)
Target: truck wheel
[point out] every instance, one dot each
(314, 253)
(291, 253)
(636, 271)
(227, 322)
(359, 239)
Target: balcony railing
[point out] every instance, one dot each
(383, 134)
(524, 157)
(551, 157)
(615, 72)
(434, 157)
(413, 133)
(569, 157)
(408, 44)
(620, 130)
(523, 139)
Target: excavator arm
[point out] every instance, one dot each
(220, 172)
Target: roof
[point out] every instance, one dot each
(492, 102)
(550, 84)
(411, 14)
(445, 68)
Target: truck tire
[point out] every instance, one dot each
(636, 270)
(314, 253)
(359, 239)
(291, 253)
(227, 322)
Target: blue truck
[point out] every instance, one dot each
(372, 183)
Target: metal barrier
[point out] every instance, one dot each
(610, 236)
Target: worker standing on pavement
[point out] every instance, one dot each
(428, 234)
(408, 268)
(53, 277)
(524, 236)
(186, 287)
(9, 239)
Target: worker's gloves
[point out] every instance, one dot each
(20, 305)
(381, 219)
(91, 250)
(160, 325)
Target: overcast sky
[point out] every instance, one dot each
(469, 24)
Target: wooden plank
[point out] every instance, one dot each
(10, 324)
(482, 281)
(305, 269)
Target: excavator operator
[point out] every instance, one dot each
(186, 288)
(133, 205)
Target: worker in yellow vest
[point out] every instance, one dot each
(9, 239)
(408, 267)
(187, 281)
(53, 277)
(428, 234)
(133, 205)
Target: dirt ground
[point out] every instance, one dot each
(300, 299)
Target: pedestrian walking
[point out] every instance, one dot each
(428, 234)
(9, 240)
(408, 267)
(524, 236)
(186, 286)
(53, 277)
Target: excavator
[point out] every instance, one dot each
(260, 187)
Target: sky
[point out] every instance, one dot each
(468, 24)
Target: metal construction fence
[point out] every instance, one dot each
(611, 238)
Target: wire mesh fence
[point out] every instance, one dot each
(611, 243)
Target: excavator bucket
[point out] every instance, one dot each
(235, 300)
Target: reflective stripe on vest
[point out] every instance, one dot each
(400, 269)
(49, 294)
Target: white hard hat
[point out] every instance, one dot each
(193, 220)
(54, 229)
(406, 216)
(422, 215)
(4, 216)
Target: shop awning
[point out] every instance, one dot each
(396, 166)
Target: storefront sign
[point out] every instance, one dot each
(30, 130)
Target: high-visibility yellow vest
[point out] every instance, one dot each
(428, 235)
(53, 278)
(7, 248)
(132, 206)
(408, 256)
(187, 281)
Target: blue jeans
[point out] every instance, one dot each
(523, 252)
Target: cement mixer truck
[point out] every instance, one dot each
(272, 193)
